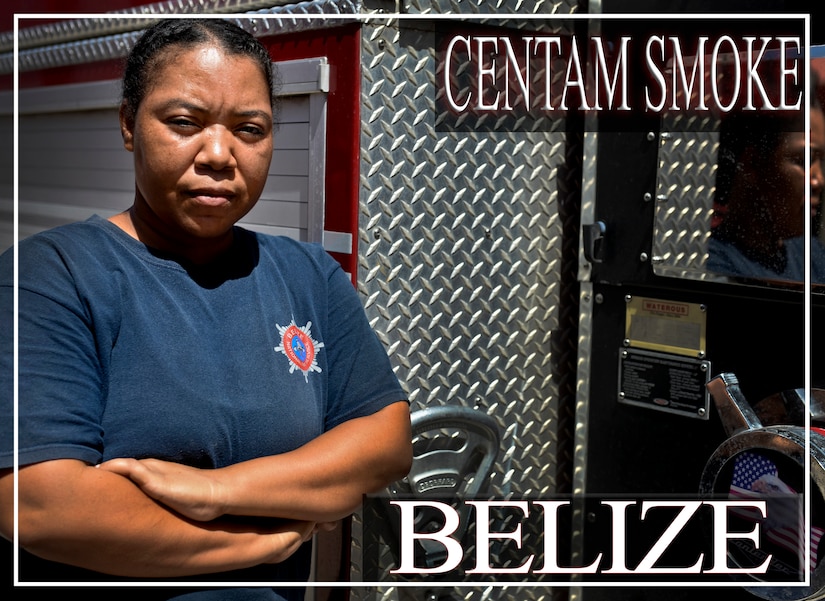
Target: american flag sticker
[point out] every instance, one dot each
(756, 477)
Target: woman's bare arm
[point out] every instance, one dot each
(73, 513)
(321, 481)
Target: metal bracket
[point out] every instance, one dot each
(593, 241)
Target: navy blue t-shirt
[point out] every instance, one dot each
(124, 352)
(725, 258)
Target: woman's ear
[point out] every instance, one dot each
(127, 127)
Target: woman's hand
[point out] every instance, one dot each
(288, 538)
(195, 493)
(321, 481)
(198, 494)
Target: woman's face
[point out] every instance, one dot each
(792, 178)
(202, 142)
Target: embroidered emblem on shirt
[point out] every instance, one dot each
(299, 347)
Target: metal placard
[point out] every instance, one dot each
(664, 382)
(668, 326)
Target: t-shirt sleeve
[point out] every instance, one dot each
(59, 379)
(7, 359)
(361, 379)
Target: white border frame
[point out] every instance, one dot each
(459, 584)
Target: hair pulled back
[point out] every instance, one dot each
(155, 48)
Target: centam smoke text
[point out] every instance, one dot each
(484, 73)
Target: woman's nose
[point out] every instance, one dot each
(217, 150)
(817, 179)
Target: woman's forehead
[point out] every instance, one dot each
(210, 55)
(204, 62)
(205, 54)
(197, 60)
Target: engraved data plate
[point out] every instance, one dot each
(667, 326)
(664, 382)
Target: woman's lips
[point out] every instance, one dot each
(212, 198)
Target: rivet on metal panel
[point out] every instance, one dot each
(643, 257)
(701, 412)
(599, 298)
(701, 354)
(704, 365)
(647, 197)
(627, 298)
(703, 308)
(651, 135)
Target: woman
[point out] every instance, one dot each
(234, 374)
(760, 199)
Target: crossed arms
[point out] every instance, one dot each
(156, 519)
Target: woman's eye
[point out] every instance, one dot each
(797, 160)
(181, 122)
(252, 130)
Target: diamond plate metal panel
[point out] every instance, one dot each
(65, 43)
(684, 198)
(685, 186)
(470, 7)
(460, 267)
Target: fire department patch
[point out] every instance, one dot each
(299, 347)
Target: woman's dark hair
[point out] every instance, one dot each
(153, 50)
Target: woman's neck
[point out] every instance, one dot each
(194, 251)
